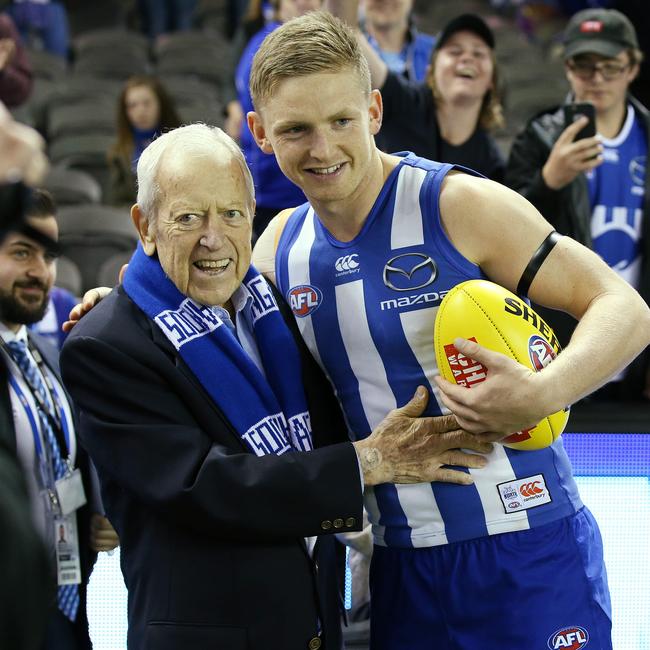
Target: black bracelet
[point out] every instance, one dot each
(536, 261)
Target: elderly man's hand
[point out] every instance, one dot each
(102, 535)
(406, 448)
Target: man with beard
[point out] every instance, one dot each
(43, 436)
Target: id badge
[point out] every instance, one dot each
(70, 492)
(66, 544)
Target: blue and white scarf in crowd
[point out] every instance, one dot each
(270, 414)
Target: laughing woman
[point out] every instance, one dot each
(449, 117)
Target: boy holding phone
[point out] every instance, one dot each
(594, 188)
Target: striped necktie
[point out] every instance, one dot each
(68, 595)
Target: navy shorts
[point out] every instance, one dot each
(538, 589)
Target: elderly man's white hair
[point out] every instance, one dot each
(193, 139)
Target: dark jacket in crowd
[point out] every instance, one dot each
(410, 124)
(16, 77)
(569, 209)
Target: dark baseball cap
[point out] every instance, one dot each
(599, 31)
(466, 23)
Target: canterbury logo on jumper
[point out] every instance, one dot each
(347, 263)
(530, 489)
(524, 493)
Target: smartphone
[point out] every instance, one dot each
(574, 111)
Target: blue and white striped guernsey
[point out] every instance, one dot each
(366, 309)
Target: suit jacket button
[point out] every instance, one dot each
(338, 523)
(350, 521)
(326, 525)
(314, 644)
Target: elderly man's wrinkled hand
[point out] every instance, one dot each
(406, 448)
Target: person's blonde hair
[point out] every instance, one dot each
(491, 115)
(313, 43)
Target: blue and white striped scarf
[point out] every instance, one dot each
(269, 413)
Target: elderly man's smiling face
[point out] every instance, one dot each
(202, 225)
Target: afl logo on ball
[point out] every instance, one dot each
(304, 300)
(540, 351)
(569, 638)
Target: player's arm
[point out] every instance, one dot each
(500, 231)
(264, 252)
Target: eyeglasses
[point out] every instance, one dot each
(586, 70)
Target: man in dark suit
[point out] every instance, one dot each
(191, 389)
(23, 562)
(40, 428)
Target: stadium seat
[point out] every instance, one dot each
(88, 116)
(46, 65)
(196, 54)
(87, 152)
(72, 186)
(111, 53)
(68, 276)
(107, 40)
(91, 234)
(109, 271)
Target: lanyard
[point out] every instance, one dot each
(49, 409)
(56, 418)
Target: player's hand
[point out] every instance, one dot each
(570, 157)
(509, 400)
(90, 299)
(102, 534)
(407, 448)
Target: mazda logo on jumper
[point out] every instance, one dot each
(409, 271)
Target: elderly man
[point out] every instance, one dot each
(201, 417)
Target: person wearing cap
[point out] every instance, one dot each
(390, 30)
(595, 189)
(449, 116)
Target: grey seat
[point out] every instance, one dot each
(88, 116)
(108, 40)
(87, 152)
(72, 186)
(92, 234)
(109, 271)
(195, 54)
(46, 65)
(112, 63)
(68, 276)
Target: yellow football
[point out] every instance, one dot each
(498, 320)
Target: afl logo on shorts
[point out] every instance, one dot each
(304, 300)
(540, 351)
(569, 638)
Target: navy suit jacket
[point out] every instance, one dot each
(87, 555)
(213, 554)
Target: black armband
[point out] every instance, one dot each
(536, 261)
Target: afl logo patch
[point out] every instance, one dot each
(569, 638)
(304, 300)
(540, 352)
